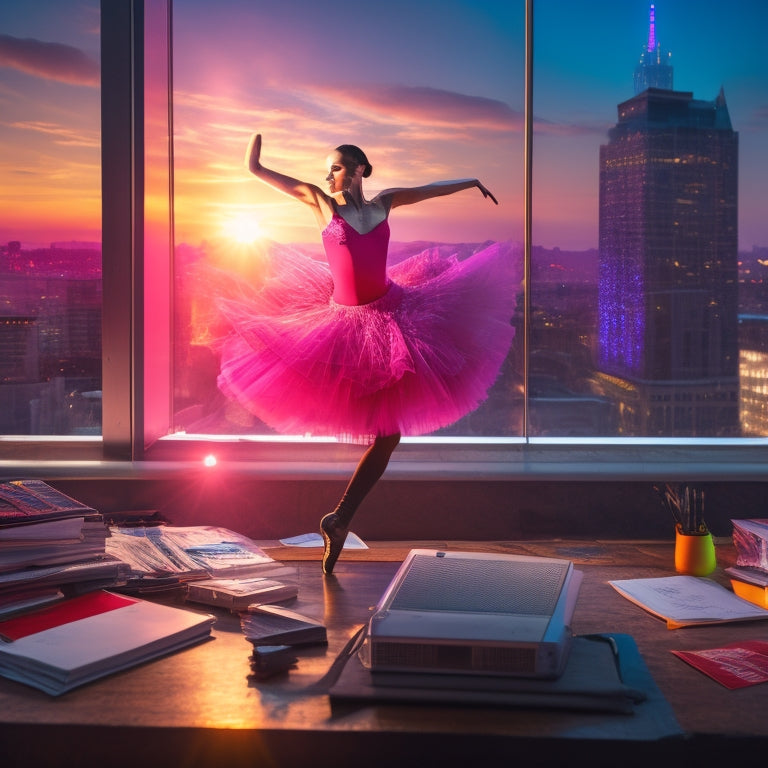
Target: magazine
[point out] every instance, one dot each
(32, 501)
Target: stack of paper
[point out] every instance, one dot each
(50, 543)
(161, 556)
(66, 645)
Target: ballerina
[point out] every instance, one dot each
(352, 349)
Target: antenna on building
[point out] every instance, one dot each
(654, 69)
(652, 30)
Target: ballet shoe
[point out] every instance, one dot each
(334, 535)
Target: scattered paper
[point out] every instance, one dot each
(316, 540)
(737, 665)
(684, 601)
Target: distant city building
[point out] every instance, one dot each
(50, 339)
(753, 374)
(668, 282)
(19, 355)
(654, 69)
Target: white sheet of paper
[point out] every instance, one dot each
(685, 600)
(316, 540)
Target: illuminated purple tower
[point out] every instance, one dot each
(667, 308)
(654, 69)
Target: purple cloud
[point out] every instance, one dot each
(427, 106)
(52, 61)
(423, 106)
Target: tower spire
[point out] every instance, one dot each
(654, 69)
(652, 30)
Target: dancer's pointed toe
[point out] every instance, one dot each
(334, 535)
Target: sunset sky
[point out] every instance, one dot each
(431, 90)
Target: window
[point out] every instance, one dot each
(646, 241)
(437, 98)
(50, 229)
(645, 312)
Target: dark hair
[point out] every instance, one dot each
(354, 157)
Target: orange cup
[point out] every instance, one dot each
(694, 553)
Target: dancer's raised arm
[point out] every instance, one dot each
(303, 191)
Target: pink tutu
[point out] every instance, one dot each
(417, 359)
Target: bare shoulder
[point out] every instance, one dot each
(385, 198)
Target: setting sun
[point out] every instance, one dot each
(243, 228)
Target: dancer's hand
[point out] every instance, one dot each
(486, 192)
(253, 153)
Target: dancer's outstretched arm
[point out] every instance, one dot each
(410, 195)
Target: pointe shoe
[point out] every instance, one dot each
(334, 535)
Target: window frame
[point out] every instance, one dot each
(136, 417)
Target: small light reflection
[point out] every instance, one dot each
(210, 460)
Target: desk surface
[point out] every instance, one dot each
(197, 707)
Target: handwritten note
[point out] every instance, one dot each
(688, 600)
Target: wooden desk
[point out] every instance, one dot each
(197, 707)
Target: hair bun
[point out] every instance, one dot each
(357, 156)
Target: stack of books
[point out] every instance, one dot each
(51, 546)
(749, 576)
(81, 639)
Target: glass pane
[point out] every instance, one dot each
(50, 228)
(430, 91)
(649, 233)
(158, 219)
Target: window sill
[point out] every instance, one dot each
(416, 459)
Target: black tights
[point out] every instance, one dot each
(370, 468)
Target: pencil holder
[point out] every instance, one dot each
(694, 553)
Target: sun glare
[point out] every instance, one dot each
(243, 228)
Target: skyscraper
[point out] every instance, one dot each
(654, 69)
(668, 325)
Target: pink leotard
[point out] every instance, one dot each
(358, 262)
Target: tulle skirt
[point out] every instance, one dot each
(417, 359)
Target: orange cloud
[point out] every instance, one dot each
(62, 135)
(51, 61)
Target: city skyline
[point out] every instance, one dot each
(448, 105)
